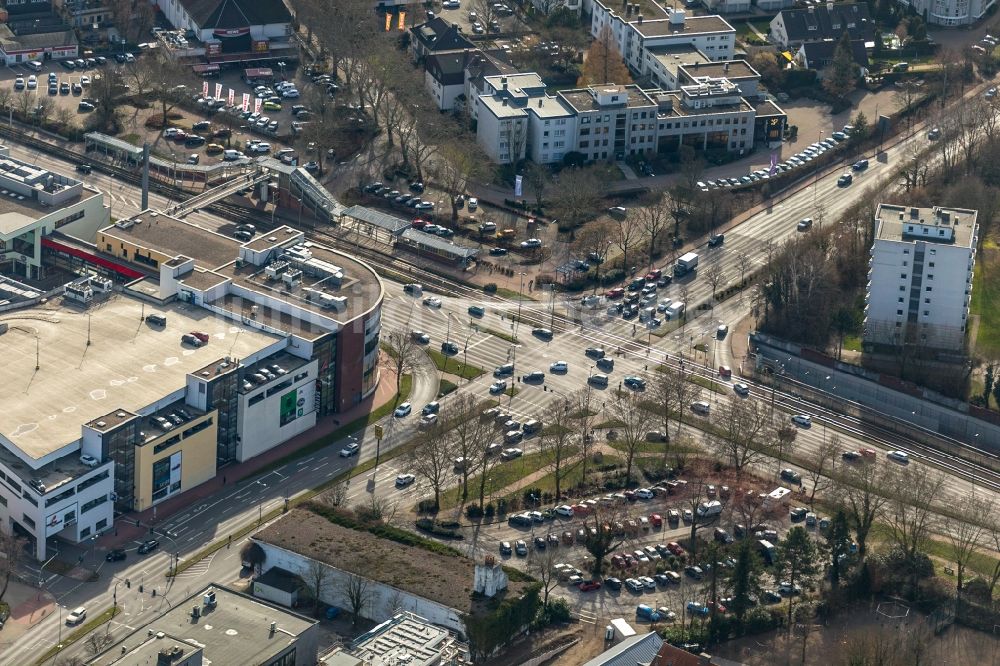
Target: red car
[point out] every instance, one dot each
(629, 560)
(656, 520)
(630, 495)
(675, 548)
(653, 275)
(590, 585)
(868, 453)
(720, 608)
(418, 223)
(618, 561)
(201, 336)
(617, 292)
(581, 509)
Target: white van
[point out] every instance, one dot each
(647, 313)
(706, 509)
(231, 155)
(34, 66)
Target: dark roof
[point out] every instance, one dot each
(236, 13)
(818, 23)
(439, 35)
(820, 54)
(281, 579)
(638, 649)
(447, 68)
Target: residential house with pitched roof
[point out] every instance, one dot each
(794, 27)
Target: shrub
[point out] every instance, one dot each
(490, 510)
(490, 287)
(473, 512)
(427, 506)
(431, 527)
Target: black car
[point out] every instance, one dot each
(194, 141)
(417, 186)
(613, 583)
(85, 107)
(148, 546)
(449, 348)
(498, 251)
(84, 168)
(116, 555)
(716, 239)
(539, 543)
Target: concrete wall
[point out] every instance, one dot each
(386, 600)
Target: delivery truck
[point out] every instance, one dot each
(686, 264)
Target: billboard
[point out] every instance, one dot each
(58, 521)
(292, 407)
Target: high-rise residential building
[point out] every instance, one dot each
(920, 280)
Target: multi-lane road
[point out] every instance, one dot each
(242, 504)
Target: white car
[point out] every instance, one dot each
(510, 454)
(404, 480)
(350, 449)
(427, 420)
(741, 389)
(644, 493)
(451, 4)
(77, 615)
(898, 456)
(432, 302)
(803, 420)
(565, 510)
(559, 366)
(89, 460)
(700, 407)
(403, 410)
(498, 387)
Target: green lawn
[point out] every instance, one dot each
(852, 343)
(504, 474)
(453, 365)
(499, 334)
(512, 294)
(986, 301)
(709, 384)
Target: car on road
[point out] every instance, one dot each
(510, 454)
(803, 420)
(431, 408)
(535, 377)
(403, 410)
(76, 616)
(594, 352)
(449, 348)
(791, 475)
(116, 555)
(898, 456)
(350, 449)
(542, 333)
(804, 224)
(845, 179)
(635, 383)
(403, 480)
(498, 387)
(559, 367)
(850, 456)
(741, 389)
(934, 134)
(148, 546)
(700, 407)
(521, 548)
(432, 302)
(428, 420)
(860, 165)
(420, 336)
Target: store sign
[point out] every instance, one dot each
(232, 32)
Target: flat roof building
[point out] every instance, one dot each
(920, 281)
(218, 626)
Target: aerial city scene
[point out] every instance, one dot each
(513, 333)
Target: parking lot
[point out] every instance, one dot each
(654, 541)
(71, 85)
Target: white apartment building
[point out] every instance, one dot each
(518, 119)
(920, 281)
(548, 6)
(950, 12)
(635, 34)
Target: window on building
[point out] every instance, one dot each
(899, 313)
(28, 521)
(926, 312)
(929, 288)
(85, 532)
(902, 276)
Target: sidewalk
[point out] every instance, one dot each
(135, 526)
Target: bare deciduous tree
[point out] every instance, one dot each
(433, 458)
(742, 433)
(11, 549)
(861, 491)
(593, 241)
(542, 566)
(467, 430)
(401, 352)
(910, 515)
(968, 532)
(358, 593)
(823, 461)
(715, 274)
(626, 234)
(632, 422)
(557, 443)
(654, 219)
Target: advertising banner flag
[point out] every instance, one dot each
(256, 105)
(388, 22)
(774, 164)
(517, 185)
(232, 96)
(246, 101)
(402, 21)
(204, 88)
(218, 91)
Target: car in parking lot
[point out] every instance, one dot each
(521, 548)
(697, 608)
(634, 585)
(636, 383)
(791, 475)
(505, 548)
(589, 585)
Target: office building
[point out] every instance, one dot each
(920, 281)
(217, 625)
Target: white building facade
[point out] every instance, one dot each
(950, 12)
(920, 281)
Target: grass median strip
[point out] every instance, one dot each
(499, 334)
(453, 366)
(502, 475)
(707, 383)
(79, 633)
